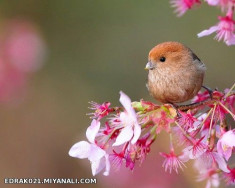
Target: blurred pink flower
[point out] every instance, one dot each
(211, 176)
(226, 143)
(194, 151)
(22, 52)
(23, 46)
(128, 119)
(163, 122)
(224, 4)
(98, 157)
(12, 81)
(181, 6)
(172, 161)
(210, 158)
(224, 30)
(230, 177)
(213, 2)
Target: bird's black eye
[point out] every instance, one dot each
(162, 59)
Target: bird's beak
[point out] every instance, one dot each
(149, 66)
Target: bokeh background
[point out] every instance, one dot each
(94, 49)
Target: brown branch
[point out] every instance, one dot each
(195, 105)
(199, 104)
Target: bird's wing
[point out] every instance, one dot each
(198, 62)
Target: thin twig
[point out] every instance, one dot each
(230, 90)
(195, 105)
(202, 103)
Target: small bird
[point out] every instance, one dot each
(175, 73)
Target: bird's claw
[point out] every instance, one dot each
(210, 91)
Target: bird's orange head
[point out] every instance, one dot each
(169, 55)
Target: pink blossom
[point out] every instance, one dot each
(220, 112)
(226, 143)
(148, 106)
(97, 156)
(101, 110)
(198, 129)
(201, 96)
(211, 176)
(130, 162)
(206, 165)
(172, 161)
(196, 150)
(163, 122)
(128, 154)
(207, 171)
(109, 131)
(230, 177)
(188, 121)
(229, 101)
(143, 146)
(181, 6)
(117, 159)
(224, 30)
(131, 129)
(181, 138)
(212, 158)
(209, 159)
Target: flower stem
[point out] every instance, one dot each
(227, 109)
(171, 142)
(208, 114)
(227, 94)
(195, 105)
(184, 133)
(211, 122)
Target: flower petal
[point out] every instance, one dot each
(189, 154)
(208, 184)
(80, 150)
(96, 153)
(228, 138)
(219, 147)
(231, 41)
(215, 180)
(124, 136)
(137, 132)
(185, 156)
(227, 154)
(126, 102)
(92, 130)
(208, 31)
(97, 166)
(221, 162)
(213, 2)
(226, 143)
(98, 159)
(107, 165)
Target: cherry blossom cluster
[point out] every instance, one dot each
(124, 135)
(22, 53)
(224, 29)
